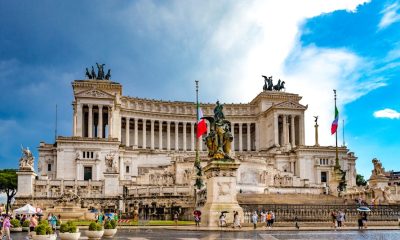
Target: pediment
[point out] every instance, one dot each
(289, 105)
(94, 93)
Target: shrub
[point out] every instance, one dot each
(68, 227)
(95, 227)
(113, 224)
(108, 225)
(43, 229)
(26, 223)
(15, 223)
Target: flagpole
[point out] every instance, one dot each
(337, 166)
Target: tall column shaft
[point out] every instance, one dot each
(110, 122)
(184, 136)
(100, 123)
(160, 146)
(248, 137)
(257, 142)
(176, 136)
(136, 132)
(192, 136)
(233, 135)
(276, 129)
(301, 130)
(75, 120)
(152, 134)
(90, 122)
(240, 137)
(127, 128)
(293, 140)
(285, 132)
(144, 139)
(168, 135)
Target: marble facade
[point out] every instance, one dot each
(153, 147)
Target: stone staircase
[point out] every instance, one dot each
(307, 199)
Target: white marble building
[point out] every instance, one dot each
(151, 146)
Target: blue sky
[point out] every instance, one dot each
(156, 49)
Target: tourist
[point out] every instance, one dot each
(176, 218)
(59, 218)
(100, 218)
(197, 217)
(296, 220)
(6, 228)
(360, 221)
(254, 219)
(333, 218)
(236, 220)
(272, 218)
(365, 219)
(269, 217)
(53, 222)
(263, 216)
(339, 219)
(33, 223)
(222, 220)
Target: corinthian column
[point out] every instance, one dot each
(100, 122)
(79, 122)
(192, 135)
(127, 140)
(168, 135)
(136, 132)
(176, 136)
(276, 129)
(90, 122)
(152, 133)
(285, 131)
(144, 134)
(184, 136)
(240, 138)
(160, 134)
(248, 137)
(293, 132)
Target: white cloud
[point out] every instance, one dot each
(387, 113)
(253, 38)
(390, 15)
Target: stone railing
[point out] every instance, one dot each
(54, 188)
(320, 213)
(159, 191)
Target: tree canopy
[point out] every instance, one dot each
(360, 181)
(8, 184)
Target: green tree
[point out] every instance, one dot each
(8, 184)
(360, 181)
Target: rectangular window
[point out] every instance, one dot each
(127, 169)
(49, 167)
(91, 155)
(84, 154)
(87, 173)
(323, 177)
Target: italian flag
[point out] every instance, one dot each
(335, 122)
(201, 123)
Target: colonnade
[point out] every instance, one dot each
(176, 135)
(289, 130)
(91, 120)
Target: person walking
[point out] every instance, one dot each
(272, 218)
(296, 220)
(339, 219)
(254, 219)
(333, 218)
(33, 223)
(269, 217)
(6, 227)
(176, 218)
(222, 220)
(236, 220)
(263, 216)
(360, 221)
(365, 219)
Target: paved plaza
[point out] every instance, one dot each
(167, 234)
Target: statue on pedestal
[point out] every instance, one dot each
(27, 160)
(219, 140)
(378, 169)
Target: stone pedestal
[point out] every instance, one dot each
(111, 184)
(221, 193)
(334, 181)
(26, 180)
